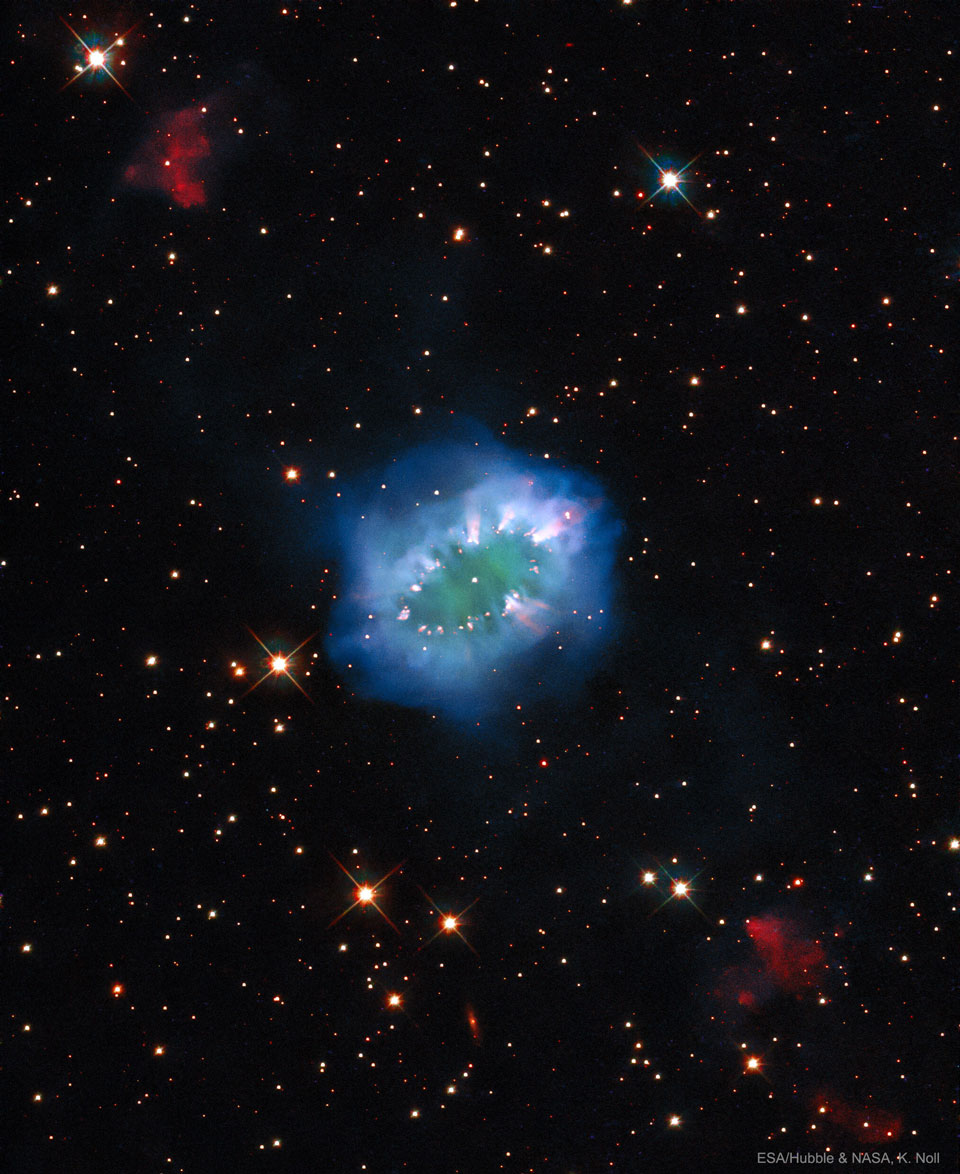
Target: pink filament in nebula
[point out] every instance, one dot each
(174, 159)
(790, 960)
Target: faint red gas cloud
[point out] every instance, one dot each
(785, 961)
(791, 961)
(175, 159)
(788, 962)
(870, 1125)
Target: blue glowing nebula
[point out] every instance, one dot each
(473, 581)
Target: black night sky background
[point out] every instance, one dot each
(684, 901)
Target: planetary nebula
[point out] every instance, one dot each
(473, 581)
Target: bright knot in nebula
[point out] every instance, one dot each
(473, 583)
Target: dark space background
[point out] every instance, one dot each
(265, 244)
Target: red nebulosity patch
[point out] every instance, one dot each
(871, 1126)
(174, 159)
(793, 962)
(744, 987)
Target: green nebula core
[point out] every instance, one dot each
(471, 583)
